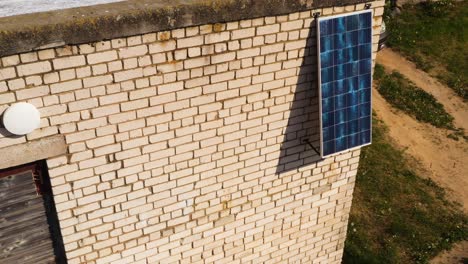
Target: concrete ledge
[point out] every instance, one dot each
(32, 151)
(134, 17)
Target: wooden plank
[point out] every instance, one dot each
(24, 230)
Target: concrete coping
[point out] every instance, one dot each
(90, 24)
(32, 151)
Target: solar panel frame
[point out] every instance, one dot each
(319, 66)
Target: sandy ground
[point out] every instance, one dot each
(456, 255)
(452, 103)
(445, 160)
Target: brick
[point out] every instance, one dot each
(122, 117)
(69, 62)
(101, 57)
(292, 25)
(134, 51)
(83, 72)
(216, 37)
(135, 104)
(113, 98)
(268, 49)
(269, 29)
(32, 92)
(159, 58)
(184, 113)
(194, 52)
(28, 57)
(92, 123)
(6, 98)
(142, 93)
(239, 82)
(128, 75)
(106, 150)
(227, 94)
(190, 42)
(16, 84)
(80, 136)
(7, 73)
(90, 163)
(65, 118)
(3, 87)
(105, 111)
(196, 62)
(162, 46)
(223, 57)
(131, 125)
(33, 68)
(210, 107)
(83, 104)
(133, 143)
(242, 33)
(248, 53)
(202, 100)
(196, 82)
(176, 105)
(98, 80)
(218, 78)
(66, 75)
(11, 60)
(168, 88)
(66, 86)
(379, 11)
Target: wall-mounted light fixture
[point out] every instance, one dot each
(21, 118)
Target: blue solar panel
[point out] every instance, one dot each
(345, 63)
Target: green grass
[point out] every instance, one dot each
(434, 35)
(404, 95)
(397, 216)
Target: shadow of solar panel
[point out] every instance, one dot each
(345, 61)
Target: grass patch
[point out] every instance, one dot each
(434, 35)
(397, 216)
(404, 95)
(458, 134)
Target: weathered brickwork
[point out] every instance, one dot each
(185, 146)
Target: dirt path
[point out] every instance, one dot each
(457, 255)
(452, 103)
(445, 160)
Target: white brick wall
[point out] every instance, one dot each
(187, 149)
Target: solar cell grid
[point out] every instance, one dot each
(345, 45)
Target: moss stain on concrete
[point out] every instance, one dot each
(165, 15)
(85, 30)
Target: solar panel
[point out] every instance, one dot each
(345, 66)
